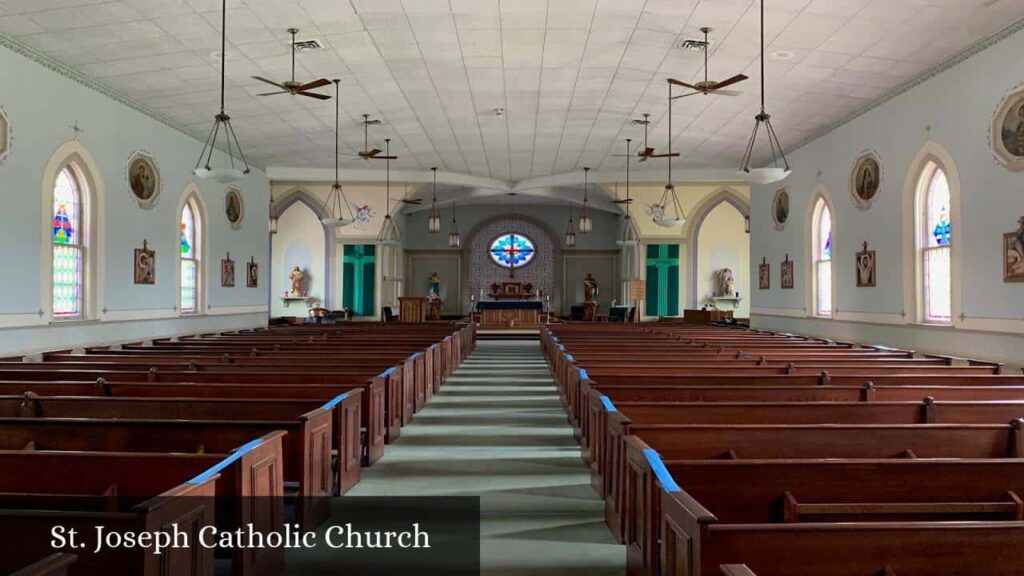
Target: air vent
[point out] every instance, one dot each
(308, 45)
(693, 45)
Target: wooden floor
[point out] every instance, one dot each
(497, 430)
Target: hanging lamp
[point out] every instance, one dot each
(668, 212)
(273, 218)
(336, 205)
(586, 223)
(628, 234)
(434, 220)
(221, 124)
(570, 231)
(454, 240)
(388, 234)
(779, 167)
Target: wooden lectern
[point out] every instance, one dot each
(412, 309)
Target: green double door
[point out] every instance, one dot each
(662, 280)
(359, 278)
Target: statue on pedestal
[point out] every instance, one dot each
(434, 284)
(725, 284)
(590, 289)
(297, 276)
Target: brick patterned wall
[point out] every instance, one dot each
(541, 271)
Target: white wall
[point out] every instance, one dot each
(42, 105)
(954, 110)
(722, 243)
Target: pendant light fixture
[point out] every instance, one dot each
(388, 234)
(336, 205)
(570, 231)
(779, 168)
(222, 124)
(628, 234)
(668, 212)
(434, 220)
(454, 241)
(586, 223)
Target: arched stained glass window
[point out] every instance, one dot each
(937, 230)
(189, 259)
(68, 246)
(822, 250)
(512, 250)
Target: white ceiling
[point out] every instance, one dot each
(571, 74)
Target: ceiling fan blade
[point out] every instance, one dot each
(681, 83)
(626, 201)
(728, 92)
(271, 82)
(314, 84)
(273, 93)
(416, 201)
(314, 95)
(729, 82)
(369, 153)
(384, 157)
(645, 152)
(672, 155)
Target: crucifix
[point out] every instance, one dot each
(76, 130)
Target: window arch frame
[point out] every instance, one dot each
(820, 200)
(192, 199)
(931, 158)
(73, 156)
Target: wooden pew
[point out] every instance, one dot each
(52, 565)
(345, 424)
(305, 456)
(152, 490)
(372, 396)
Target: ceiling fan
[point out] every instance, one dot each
(367, 153)
(708, 86)
(647, 151)
(291, 86)
(405, 197)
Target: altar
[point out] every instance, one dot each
(510, 314)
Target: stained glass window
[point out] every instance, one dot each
(512, 250)
(189, 259)
(822, 250)
(68, 250)
(936, 254)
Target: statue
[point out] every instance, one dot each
(434, 284)
(590, 289)
(725, 283)
(296, 276)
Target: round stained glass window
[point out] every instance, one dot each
(512, 250)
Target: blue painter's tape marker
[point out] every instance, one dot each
(335, 401)
(214, 470)
(583, 374)
(608, 404)
(666, 480)
(387, 372)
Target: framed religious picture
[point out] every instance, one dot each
(252, 273)
(5, 134)
(227, 271)
(1013, 257)
(865, 180)
(234, 209)
(764, 275)
(1007, 132)
(865, 267)
(145, 264)
(787, 273)
(143, 179)
(780, 208)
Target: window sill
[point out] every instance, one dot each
(73, 321)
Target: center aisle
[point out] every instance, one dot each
(497, 430)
